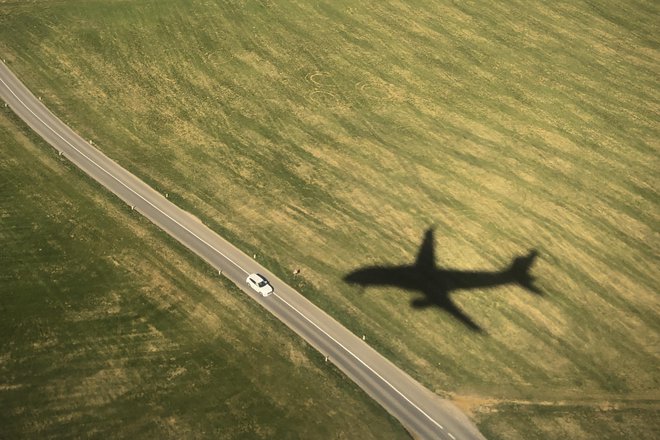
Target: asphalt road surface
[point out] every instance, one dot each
(423, 413)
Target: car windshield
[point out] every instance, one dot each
(263, 283)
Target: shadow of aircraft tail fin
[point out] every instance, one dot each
(520, 270)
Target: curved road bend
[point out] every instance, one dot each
(423, 413)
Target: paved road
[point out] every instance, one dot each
(423, 413)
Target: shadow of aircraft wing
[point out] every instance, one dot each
(438, 296)
(426, 257)
(457, 313)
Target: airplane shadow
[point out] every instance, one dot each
(437, 284)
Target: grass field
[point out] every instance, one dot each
(328, 137)
(110, 329)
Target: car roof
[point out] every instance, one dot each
(257, 277)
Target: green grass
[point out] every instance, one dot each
(574, 422)
(111, 329)
(327, 137)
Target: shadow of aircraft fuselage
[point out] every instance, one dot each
(436, 283)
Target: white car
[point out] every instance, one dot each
(259, 284)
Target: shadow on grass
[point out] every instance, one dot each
(436, 284)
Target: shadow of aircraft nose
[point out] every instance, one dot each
(355, 277)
